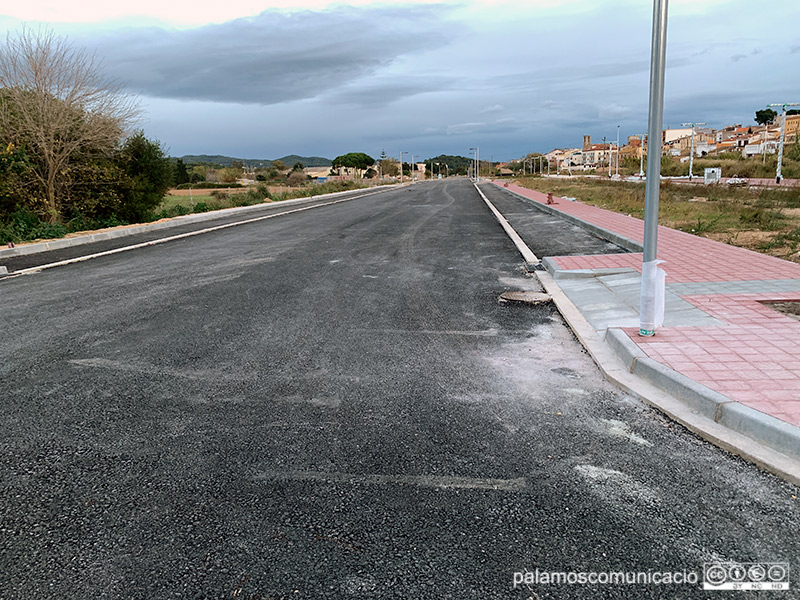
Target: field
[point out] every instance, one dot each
(766, 220)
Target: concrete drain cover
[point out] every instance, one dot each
(790, 308)
(525, 297)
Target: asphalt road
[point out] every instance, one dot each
(334, 404)
(26, 261)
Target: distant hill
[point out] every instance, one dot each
(227, 161)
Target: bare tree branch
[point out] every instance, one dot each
(55, 101)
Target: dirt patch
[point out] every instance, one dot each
(791, 309)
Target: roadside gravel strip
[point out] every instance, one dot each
(616, 371)
(36, 257)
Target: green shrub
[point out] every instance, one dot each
(24, 225)
(201, 207)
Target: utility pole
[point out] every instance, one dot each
(691, 150)
(658, 54)
(401, 166)
(641, 155)
(778, 175)
(604, 144)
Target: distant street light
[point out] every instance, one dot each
(477, 163)
(658, 54)
(778, 176)
(691, 149)
(616, 171)
(472, 166)
(401, 165)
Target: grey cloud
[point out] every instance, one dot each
(381, 91)
(738, 57)
(794, 49)
(271, 58)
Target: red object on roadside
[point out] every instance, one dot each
(550, 198)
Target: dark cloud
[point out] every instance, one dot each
(381, 91)
(271, 58)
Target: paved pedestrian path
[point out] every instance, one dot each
(733, 340)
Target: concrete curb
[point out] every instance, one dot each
(557, 272)
(62, 243)
(761, 439)
(530, 258)
(614, 238)
(696, 396)
(752, 423)
(759, 426)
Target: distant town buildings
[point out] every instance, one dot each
(745, 140)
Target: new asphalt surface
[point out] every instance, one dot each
(334, 404)
(26, 261)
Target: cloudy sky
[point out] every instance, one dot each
(262, 79)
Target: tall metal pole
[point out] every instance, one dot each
(604, 144)
(658, 55)
(778, 175)
(616, 171)
(478, 163)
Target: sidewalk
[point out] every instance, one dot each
(719, 329)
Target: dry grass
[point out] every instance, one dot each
(766, 220)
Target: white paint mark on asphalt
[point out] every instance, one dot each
(426, 481)
(576, 391)
(326, 402)
(615, 486)
(622, 430)
(480, 333)
(138, 367)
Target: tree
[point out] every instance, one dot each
(298, 168)
(358, 161)
(57, 105)
(148, 176)
(388, 166)
(181, 175)
(279, 165)
(765, 116)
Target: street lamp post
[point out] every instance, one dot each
(641, 155)
(616, 168)
(691, 149)
(477, 163)
(658, 53)
(604, 145)
(778, 175)
(401, 166)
